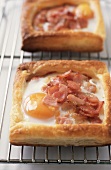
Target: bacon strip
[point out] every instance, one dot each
(92, 99)
(90, 87)
(65, 91)
(64, 120)
(75, 77)
(100, 106)
(61, 94)
(63, 17)
(80, 119)
(50, 100)
(75, 100)
(67, 106)
(90, 111)
(53, 89)
(73, 85)
(95, 120)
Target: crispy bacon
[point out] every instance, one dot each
(92, 104)
(73, 24)
(73, 85)
(82, 22)
(69, 16)
(90, 87)
(41, 17)
(53, 89)
(58, 18)
(63, 17)
(95, 120)
(79, 118)
(79, 78)
(75, 100)
(61, 94)
(67, 106)
(75, 77)
(92, 99)
(82, 95)
(100, 105)
(68, 75)
(44, 88)
(64, 91)
(53, 82)
(56, 81)
(88, 111)
(50, 100)
(68, 121)
(64, 120)
(54, 15)
(62, 24)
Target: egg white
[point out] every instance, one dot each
(34, 86)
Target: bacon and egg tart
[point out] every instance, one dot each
(69, 104)
(75, 25)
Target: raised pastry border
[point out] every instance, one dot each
(23, 132)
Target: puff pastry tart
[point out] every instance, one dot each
(62, 25)
(69, 104)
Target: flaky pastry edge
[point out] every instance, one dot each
(23, 132)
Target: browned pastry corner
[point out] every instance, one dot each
(87, 121)
(59, 37)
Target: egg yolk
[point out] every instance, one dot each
(34, 107)
(85, 11)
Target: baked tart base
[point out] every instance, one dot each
(28, 132)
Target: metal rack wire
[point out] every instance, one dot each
(11, 57)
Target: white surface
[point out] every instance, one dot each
(55, 167)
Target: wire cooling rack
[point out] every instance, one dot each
(11, 57)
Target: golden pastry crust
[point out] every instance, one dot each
(33, 40)
(28, 133)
